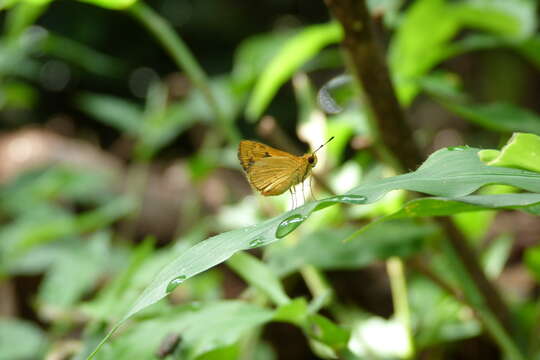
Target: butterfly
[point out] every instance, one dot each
(272, 171)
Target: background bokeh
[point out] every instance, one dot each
(119, 127)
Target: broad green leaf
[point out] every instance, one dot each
(498, 116)
(20, 340)
(294, 53)
(254, 54)
(509, 18)
(111, 4)
(414, 50)
(522, 151)
(259, 275)
(326, 250)
(452, 172)
(203, 327)
(438, 206)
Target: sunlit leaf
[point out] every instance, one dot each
(112, 4)
(522, 151)
(294, 53)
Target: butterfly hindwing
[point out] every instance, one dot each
(274, 175)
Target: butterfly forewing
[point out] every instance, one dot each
(251, 151)
(269, 170)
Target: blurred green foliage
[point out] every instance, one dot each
(83, 255)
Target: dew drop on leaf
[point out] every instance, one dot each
(173, 284)
(258, 241)
(351, 199)
(288, 225)
(457, 148)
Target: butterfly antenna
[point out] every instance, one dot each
(323, 144)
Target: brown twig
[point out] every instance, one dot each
(367, 63)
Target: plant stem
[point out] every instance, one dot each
(398, 284)
(318, 286)
(369, 68)
(180, 53)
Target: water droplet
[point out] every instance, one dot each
(288, 225)
(258, 241)
(458, 148)
(350, 199)
(173, 284)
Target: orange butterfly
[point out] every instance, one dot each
(272, 171)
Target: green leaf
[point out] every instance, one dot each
(413, 50)
(203, 328)
(254, 54)
(75, 273)
(20, 340)
(439, 206)
(259, 275)
(448, 321)
(326, 250)
(522, 151)
(448, 172)
(296, 52)
(111, 4)
(121, 114)
(295, 312)
(509, 18)
(532, 260)
(495, 256)
(498, 116)
(325, 331)
(46, 226)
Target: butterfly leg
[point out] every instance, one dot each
(292, 197)
(303, 193)
(311, 188)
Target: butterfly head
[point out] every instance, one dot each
(311, 159)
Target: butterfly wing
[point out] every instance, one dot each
(270, 171)
(274, 175)
(251, 151)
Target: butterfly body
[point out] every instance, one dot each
(272, 171)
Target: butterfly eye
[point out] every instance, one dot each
(311, 159)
